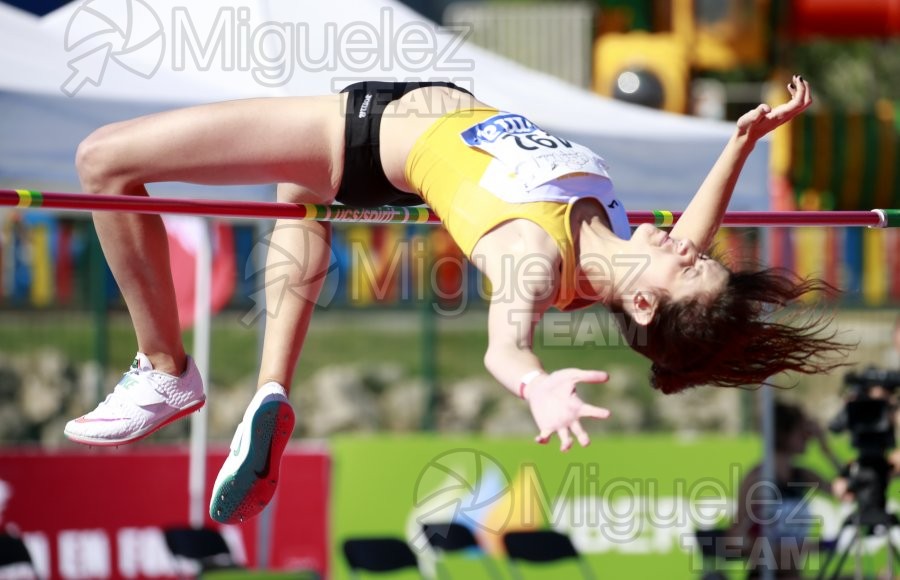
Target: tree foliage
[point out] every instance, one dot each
(850, 75)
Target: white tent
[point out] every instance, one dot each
(120, 59)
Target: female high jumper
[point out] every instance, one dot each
(509, 193)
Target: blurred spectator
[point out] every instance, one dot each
(782, 504)
(892, 354)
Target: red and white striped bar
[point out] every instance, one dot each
(30, 199)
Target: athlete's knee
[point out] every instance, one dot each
(99, 168)
(294, 193)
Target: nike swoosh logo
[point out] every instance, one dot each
(128, 381)
(86, 420)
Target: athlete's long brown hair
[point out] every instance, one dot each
(738, 337)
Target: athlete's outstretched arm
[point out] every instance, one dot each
(703, 215)
(515, 309)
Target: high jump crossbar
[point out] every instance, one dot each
(31, 199)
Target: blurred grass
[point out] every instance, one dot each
(335, 338)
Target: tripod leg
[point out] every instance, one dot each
(843, 556)
(895, 552)
(823, 568)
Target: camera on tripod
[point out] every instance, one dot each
(868, 410)
(868, 415)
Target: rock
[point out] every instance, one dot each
(628, 415)
(51, 433)
(622, 382)
(341, 403)
(702, 409)
(91, 387)
(14, 427)
(10, 383)
(39, 401)
(403, 406)
(511, 417)
(51, 366)
(379, 378)
(226, 408)
(465, 404)
(46, 388)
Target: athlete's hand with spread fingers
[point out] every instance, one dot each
(557, 408)
(764, 119)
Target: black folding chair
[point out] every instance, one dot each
(199, 550)
(716, 548)
(15, 560)
(542, 546)
(450, 537)
(378, 555)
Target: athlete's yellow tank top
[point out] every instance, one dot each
(446, 172)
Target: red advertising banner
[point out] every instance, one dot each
(100, 513)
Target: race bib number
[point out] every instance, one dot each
(530, 155)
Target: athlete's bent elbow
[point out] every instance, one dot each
(493, 360)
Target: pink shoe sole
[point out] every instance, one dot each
(181, 413)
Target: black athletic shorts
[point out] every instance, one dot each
(363, 182)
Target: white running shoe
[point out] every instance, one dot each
(143, 402)
(249, 476)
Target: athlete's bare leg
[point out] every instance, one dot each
(296, 266)
(294, 140)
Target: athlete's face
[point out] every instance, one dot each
(676, 267)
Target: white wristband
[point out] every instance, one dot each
(527, 378)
